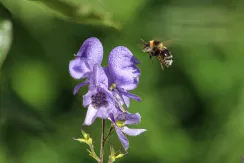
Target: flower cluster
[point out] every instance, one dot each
(108, 87)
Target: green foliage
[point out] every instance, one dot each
(88, 140)
(5, 39)
(34, 82)
(114, 155)
(84, 13)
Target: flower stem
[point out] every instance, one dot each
(109, 133)
(102, 142)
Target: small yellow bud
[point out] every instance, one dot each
(85, 135)
(120, 155)
(120, 123)
(89, 141)
(80, 140)
(113, 86)
(111, 159)
(112, 150)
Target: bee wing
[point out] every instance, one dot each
(168, 43)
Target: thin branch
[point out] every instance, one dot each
(109, 133)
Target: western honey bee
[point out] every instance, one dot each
(157, 49)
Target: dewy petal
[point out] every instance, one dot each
(90, 115)
(98, 78)
(132, 132)
(122, 68)
(130, 95)
(78, 68)
(124, 141)
(76, 89)
(91, 49)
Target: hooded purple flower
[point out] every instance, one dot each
(90, 53)
(123, 74)
(98, 99)
(120, 120)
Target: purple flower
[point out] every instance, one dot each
(98, 99)
(108, 87)
(90, 53)
(120, 120)
(123, 74)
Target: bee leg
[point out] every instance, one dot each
(161, 61)
(150, 57)
(161, 64)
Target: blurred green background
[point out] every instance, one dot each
(193, 111)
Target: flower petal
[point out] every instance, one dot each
(122, 68)
(132, 132)
(76, 89)
(106, 70)
(98, 78)
(126, 100)
(91, 49)
(109, 95)
(132, 118)
(130, 95)
(103, 112)
(119, 101)
(90, 115)
(124, 141)
(87, 98)
(127, 117)
(78, 68)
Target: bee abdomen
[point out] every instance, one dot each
(165, 53)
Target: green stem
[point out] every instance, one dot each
(102, 142)
(109, 133)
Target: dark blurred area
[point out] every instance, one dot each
(193, 111)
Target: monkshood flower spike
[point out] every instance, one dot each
(108, 93)
(90, 53)
(120, 121)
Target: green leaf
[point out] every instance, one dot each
(5, 39)
(34, 82)
(84, 13)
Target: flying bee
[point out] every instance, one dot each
(157, 49)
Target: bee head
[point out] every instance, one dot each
(146, 47)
